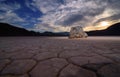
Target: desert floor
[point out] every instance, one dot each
(59, 57)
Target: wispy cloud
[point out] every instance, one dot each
(77, 12)
(47, 5)
(8, 14)
(10, 17)
(60, 15)
(10, 6)
(30, 5)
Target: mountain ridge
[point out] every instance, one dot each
(113, 30)
(10, 30)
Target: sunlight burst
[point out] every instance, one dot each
(104, 23)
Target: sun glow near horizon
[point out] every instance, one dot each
(100, 26)
(104, 23)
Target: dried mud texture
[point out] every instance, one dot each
(59, 57)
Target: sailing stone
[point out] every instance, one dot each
(77, 32)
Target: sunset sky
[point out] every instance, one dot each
(60, 15)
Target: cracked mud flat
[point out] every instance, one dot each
(59, 57)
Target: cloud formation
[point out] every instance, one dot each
(59, 15)
(7, 13)
(77, 12)
(19, 13)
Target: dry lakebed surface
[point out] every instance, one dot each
(59, 57)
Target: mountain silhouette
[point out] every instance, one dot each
(113, 30)
(10, 30)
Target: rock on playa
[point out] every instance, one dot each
(77, 32)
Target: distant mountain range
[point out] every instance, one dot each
(113, 30)
(10, 30)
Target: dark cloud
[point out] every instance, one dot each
(94, 12)
(115, 4)
(50, 14)
(71, 20)
(80, 17)
(111, 18)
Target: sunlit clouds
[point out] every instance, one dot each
(86, 13)
(61, 15)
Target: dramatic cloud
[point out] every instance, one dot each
(7, 13)
(60, 15)
(78, 12)
(19, 13)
